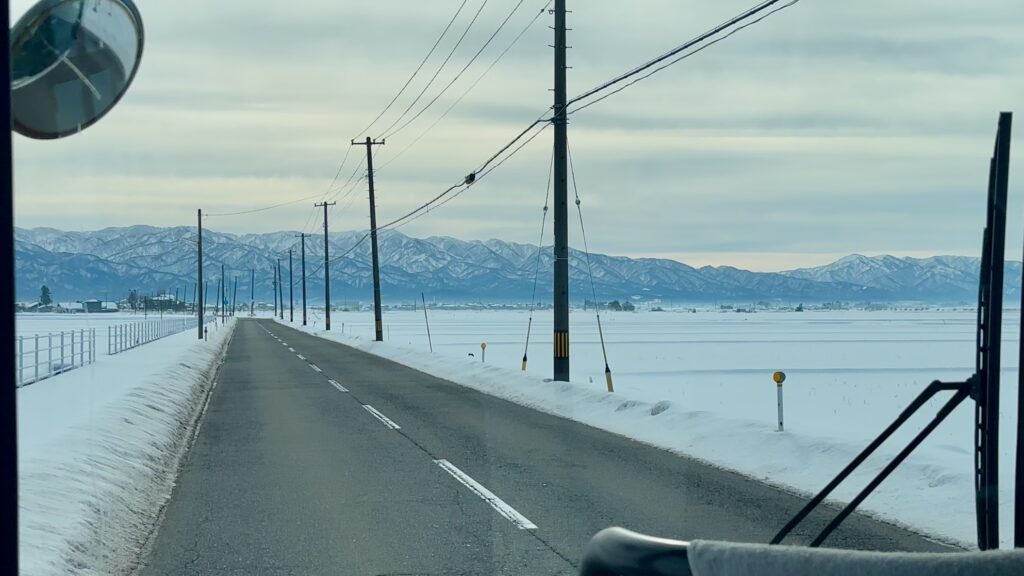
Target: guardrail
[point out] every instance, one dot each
(121, 337)
(53, 353)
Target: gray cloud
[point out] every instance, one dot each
(829, 128)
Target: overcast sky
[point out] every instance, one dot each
(829, 128)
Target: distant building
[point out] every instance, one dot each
(70, 307)
(97, 306)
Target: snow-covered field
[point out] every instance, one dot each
(98, 451)
(849, 374)
(30, 324)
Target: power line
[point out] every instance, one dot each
(681, 48)
(415, 72)
(472, 86)
(682, 57)
(438, 71)
(447, 196)
(460, 73)
(264, 208)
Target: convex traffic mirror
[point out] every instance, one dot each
(71, 61)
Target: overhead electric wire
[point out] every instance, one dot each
(447, 196)
(471, 87)
(429, 206)
(460, 72)
(262, 209)
(682, 57)
(418, 68)
(439, 69)
(682, 48)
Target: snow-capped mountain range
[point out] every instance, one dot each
(108, 263)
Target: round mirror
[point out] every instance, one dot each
(71, 61)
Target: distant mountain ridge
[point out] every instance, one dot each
(109, 262)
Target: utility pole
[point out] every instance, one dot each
(199, 281)
(223, 292)
(327, 270)
(234, 298)
(302, 236)
(378, 324)
(561, 280)
(252, 291)
(275, 292)
(280, 284)
(291, 289)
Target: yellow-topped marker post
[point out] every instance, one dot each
(779, 378)
(483, 351)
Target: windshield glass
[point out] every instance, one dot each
(449, 287)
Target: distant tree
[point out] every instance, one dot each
(44, 297)
(800, 308)
(615, 305)
(627, 306)
(133, 299)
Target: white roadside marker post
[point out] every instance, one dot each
(779, 378)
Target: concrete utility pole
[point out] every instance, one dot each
(561, 280)
(234, 298)
(199, 265)
(275, 293)
(327, 269)
(378, 324)
(252, 291)
(291, 289)
(303, 240)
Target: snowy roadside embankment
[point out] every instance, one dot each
(932, 492)
(99, 448)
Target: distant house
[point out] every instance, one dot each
(95, 306)
(110, 307)
(70, 307)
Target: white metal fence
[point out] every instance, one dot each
(121, 337)
(44, 355)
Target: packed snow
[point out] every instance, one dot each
(99, 448)
(700, 384)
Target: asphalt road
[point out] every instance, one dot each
(390, 471)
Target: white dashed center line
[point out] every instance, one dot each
(498, 504)
(387, 421)
(338, 386)
(315, 367)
